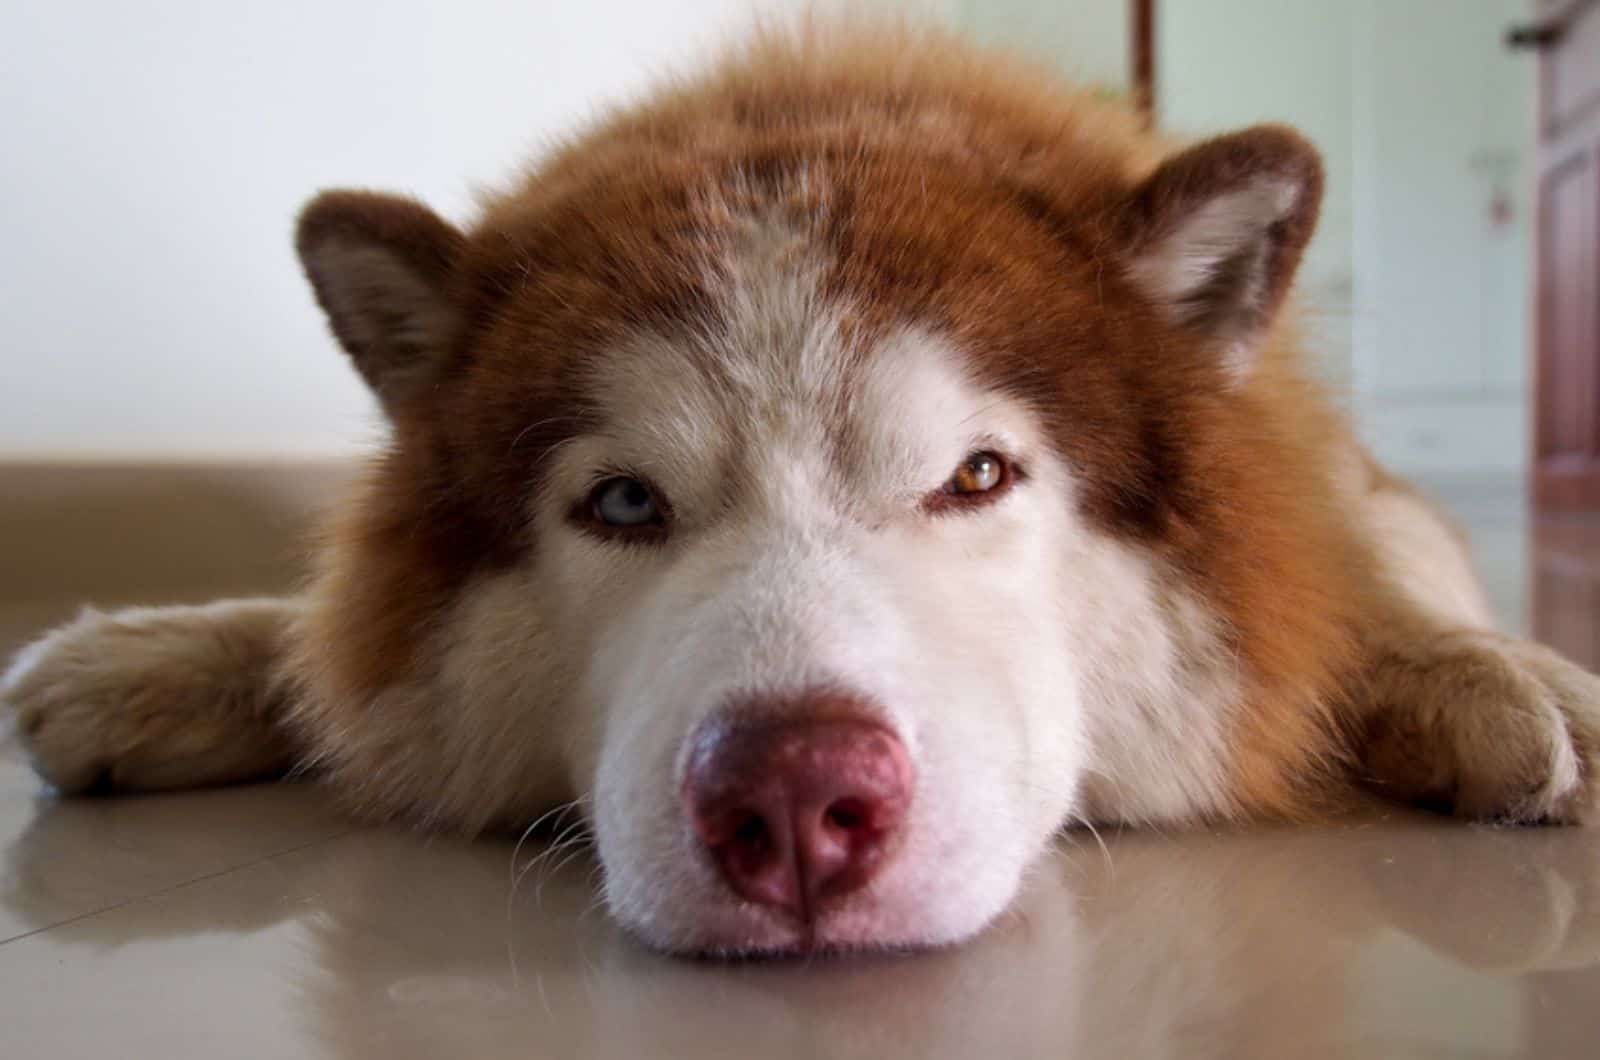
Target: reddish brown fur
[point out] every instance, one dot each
(953, 189)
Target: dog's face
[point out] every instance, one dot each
(810, 534)
(872, 540)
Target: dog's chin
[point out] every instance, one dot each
(808, 949)
(742, 932)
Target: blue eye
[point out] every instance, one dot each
(624, 503)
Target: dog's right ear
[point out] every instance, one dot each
(1215, 234)
(381, 267)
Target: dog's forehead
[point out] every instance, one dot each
(862, 313)
(782, 370)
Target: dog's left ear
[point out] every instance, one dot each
(1213, 237)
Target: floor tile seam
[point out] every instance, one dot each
(180, 885)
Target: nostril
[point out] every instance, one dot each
(752, 843)
(752, 832)
(750, 850)
(847, 815)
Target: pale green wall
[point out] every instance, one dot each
(1086, 38)
(1444, 121)
(1421, 113)
(1227, 65)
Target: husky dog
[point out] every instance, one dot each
(835, 475)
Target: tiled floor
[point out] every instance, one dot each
(257, 922)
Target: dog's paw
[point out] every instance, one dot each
(1488, 727)
(150, 698)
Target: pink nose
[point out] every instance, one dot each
(796, 813)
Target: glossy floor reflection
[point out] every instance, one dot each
(256, 922)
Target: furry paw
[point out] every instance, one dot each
(152, 698)
(1488, 727)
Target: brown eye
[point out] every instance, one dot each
(983, 476)
(979, 473)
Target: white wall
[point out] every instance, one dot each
(154, 155)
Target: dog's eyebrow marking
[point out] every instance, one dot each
(984, 411)
(566, 418)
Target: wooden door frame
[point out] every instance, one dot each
(1142, 56)
(1559, 480)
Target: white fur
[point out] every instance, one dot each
(1180, 265)
(1161, 688)
(1186, 259)
(1421, 556)
(1012, 648)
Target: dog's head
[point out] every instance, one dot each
(809, 473)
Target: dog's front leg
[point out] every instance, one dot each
(152, 698)
(1480, 724)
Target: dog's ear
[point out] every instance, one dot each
(1213, 237)
(381, 267)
